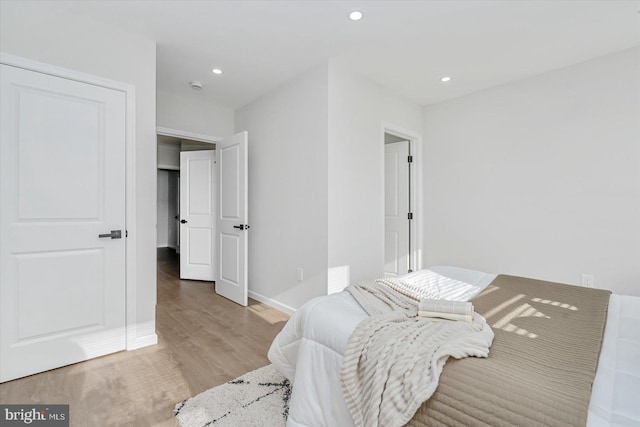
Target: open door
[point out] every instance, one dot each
(397, 217)
(197, 215)
(232, 218)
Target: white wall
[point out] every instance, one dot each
(93, 48)
(288, 189)
(173, 209)
(357, 111)
(162, 208)
(168, 156)
(194, 115)
(540, 178)
(316, 197)
(167, 208)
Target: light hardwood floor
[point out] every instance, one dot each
(203, 340)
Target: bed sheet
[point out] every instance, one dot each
(309, 349)
(615, 399)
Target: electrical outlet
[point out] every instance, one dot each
(587, 280)
(300, 274)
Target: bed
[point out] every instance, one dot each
(309, 352)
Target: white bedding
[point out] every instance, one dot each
(308, 351)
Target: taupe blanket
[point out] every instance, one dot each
(542, 362)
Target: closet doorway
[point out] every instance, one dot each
(402, 203)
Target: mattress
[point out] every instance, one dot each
(309, 350)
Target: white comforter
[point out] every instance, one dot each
(309, 349)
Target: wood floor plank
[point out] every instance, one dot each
(204, 340)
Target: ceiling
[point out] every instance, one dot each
(406, 46)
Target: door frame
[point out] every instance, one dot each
(183, 134)
(180, 134)
(415, 146)
(132, 340)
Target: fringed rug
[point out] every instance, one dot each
(258, 398)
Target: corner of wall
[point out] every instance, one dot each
(358, 110)
(288, 190)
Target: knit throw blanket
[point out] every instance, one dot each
(394, 358)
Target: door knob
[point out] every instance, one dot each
(115, 234)
(183, 221)
(241, 227)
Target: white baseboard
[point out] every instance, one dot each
(144, 341)
(272, 303)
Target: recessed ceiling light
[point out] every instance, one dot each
(195, 85)
(356, 15)
(217, 71)
(445, 79)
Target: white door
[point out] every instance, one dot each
(197, 215)
(177, 217)
(396, 209)
(232, 218)
(62, 178)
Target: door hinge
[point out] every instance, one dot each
(410, 159)
(410, 215)
(126, 233)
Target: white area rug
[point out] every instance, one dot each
(258, 398)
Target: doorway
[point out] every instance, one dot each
(168, 231)
(213, 193)
(171, 189)
(402, 202)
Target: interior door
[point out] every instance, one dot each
(197, 215)
(396, 206)
(232, 218)
(62, 184)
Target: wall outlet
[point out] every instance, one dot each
(300, 274)
(587, 280)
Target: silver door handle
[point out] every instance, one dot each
(115, 234)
